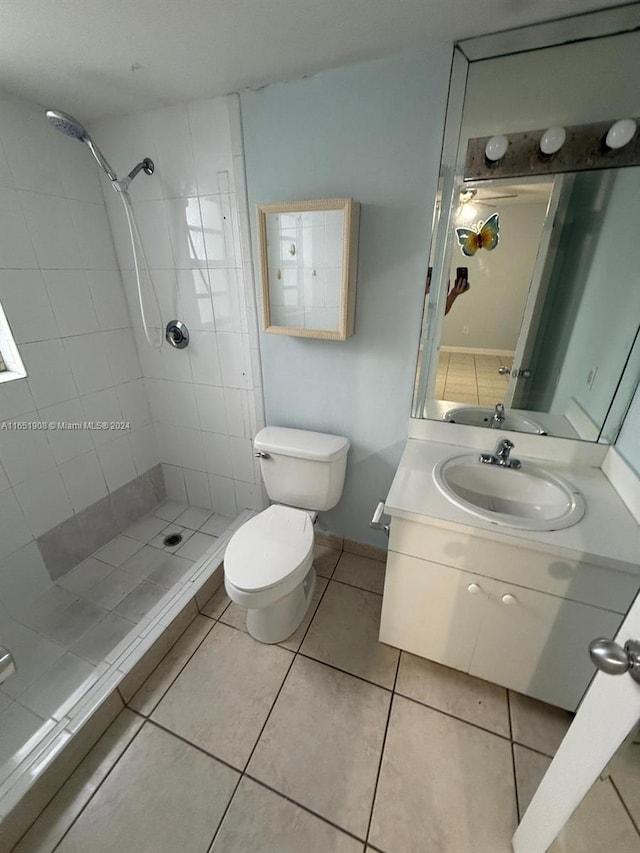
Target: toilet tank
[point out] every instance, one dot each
(303, 469)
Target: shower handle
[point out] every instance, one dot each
(177, 334)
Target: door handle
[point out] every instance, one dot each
(611, 658)
(7, 665)
(523, 372)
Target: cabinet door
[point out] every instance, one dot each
(538, 644)
(431, 610)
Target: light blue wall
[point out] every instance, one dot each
(628, 443)
(591, 317)
(371, 131)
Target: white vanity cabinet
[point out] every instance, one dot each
(515, 616)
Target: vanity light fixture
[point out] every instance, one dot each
(496, 148)
(620, 133)
(552, 140)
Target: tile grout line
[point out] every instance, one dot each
(382, 748)
(243, 772)
(513, 759)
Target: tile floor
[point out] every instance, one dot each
(63, 636)
(328, 742)
(471, 378)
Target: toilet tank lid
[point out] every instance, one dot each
(301, 443)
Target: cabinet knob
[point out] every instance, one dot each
(509, 599)
(474, 589)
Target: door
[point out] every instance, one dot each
(608, 712)
(515, 396)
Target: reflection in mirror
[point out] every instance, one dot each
(608, 818)
(545, 324)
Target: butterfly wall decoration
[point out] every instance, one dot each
(484, 235)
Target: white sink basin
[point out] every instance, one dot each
(529, 498)
(482, 415)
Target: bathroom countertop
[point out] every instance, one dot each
(607, 534)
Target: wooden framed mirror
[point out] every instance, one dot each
(308, 260)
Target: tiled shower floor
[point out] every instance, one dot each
(327, 743)
(69, 629)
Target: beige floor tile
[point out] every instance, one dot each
(163, 676)
(56, 819)
(360, 571)
(235, 616)
(530, 768)
(455, 692)
(259, 821)
(293, 642)
(221, 699)
(322, 743)
(163, 796)
(536, 724)
(444, 785)
(344, 633)
(217, 604)
(325, 559)
(599, 823)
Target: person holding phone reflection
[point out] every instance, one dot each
(460, 286)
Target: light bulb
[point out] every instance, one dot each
(552, 140)
(620, 133)
(496, 148)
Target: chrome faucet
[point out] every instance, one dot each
(502, 456)
(498, 417)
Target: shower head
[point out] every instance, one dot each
(71, 127)
(67, 124)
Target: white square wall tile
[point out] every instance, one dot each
(123, 356)
(24, 298)
(218, 230)
(191, 447)
(205, 361)
(93, 235)
(229, 306)
(109, 300)
(242, 459)
(88, 357)
(234, 359)
(144, 448)
(66, 443)
(238, 410)
(174, 481)
(175, 166)
(16, 399)
(186, 232)
(223, 496)
(44, 501)
(154, 231)
(218, 455)
(49, 375)
(14, 531)
(117, 462)
(102, 407)
(197, 485)
(51, 228)
(132, 397)
(195, 299)
(70, 296)
(211, 408)
(211, 136)
(83, 480)
(16, 248)
(25, 452)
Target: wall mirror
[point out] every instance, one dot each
(546, 323)
(308, 259)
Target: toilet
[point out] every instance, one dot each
(268, 564)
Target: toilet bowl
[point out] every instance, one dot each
(268, 564)
(268, 569)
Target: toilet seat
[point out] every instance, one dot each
(272, 548)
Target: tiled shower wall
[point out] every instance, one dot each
(61, 289)
(206, 400)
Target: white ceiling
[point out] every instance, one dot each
(95, 58)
